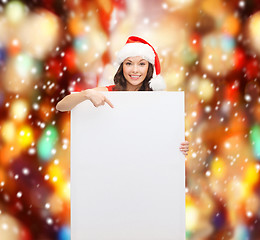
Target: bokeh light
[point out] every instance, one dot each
(45, 28)
(254, 30)
(255, 140)
(25, 136)
(46, 143)
(15, 11)
(19, 110)
(10, 228)
(8, 131)
(64, 233)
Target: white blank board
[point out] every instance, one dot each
(127, 172)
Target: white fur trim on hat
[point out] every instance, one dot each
(136, 49)
(157, 83)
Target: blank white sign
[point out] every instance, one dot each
(127, 172)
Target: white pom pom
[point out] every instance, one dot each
(157, 83)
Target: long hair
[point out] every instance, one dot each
(120, 81)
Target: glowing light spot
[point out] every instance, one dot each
(47, 205)
(25, 136)
(8, 131)
(5, 226)
(19, 110)
(49, 221)
(241, 4)
(207, 109)
(164, 5)
(192, 217)
(19, 194)
(45, 146)
(255, 140)
(249, 214)
(227, 145)
(54, 179)
(32, 151)
(25, 171)
(15, 11)
(218, 167)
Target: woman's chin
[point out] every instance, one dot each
(135, 83)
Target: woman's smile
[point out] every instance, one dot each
(135, 77)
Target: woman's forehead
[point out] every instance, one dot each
(135, 59)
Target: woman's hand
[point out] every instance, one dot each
(184, 148)
(96, 97)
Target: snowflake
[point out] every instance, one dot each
(25, 171)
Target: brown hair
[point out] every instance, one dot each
(120, 81)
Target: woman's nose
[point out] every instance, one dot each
(135, 68)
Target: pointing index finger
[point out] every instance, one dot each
(109, 103)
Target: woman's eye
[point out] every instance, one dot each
(142, 64)
(128, 63)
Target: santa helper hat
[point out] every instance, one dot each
(136, 46)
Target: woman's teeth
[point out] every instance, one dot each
(135, 76)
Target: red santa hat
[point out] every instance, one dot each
(136, 46)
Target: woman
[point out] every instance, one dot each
(137, 61)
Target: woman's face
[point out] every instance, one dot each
(135, 70)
